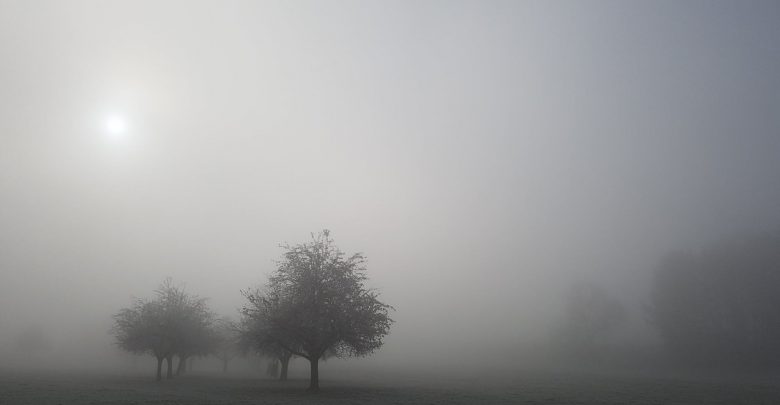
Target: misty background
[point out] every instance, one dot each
(484, 156)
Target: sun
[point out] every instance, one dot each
(116, 126)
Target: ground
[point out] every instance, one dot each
(520, 388)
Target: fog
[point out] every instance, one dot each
(484, 156)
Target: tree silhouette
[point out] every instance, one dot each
(316, 303)
(173, 324)
(228, 345)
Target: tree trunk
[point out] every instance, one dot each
(182, 368)
(285, 360)
(169, 360)
(314, 381)
(159, 368)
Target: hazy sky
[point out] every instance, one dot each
(481, 154)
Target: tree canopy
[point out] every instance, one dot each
(173, 323)
(316, 303)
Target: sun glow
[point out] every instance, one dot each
(116, 126)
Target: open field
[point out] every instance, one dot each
(526, 388)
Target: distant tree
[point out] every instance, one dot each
(141, 329)
(33, 340)
(273, 368)
(174, 323)
(317, 303)
(718, 307)
(254, 337)
(591, 315)
(197, 335)
(228, 344)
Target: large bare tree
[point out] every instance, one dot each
(316, 303)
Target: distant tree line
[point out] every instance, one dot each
(314, 306)
(721, 306)
(716, 307)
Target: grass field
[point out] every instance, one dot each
(525, 388)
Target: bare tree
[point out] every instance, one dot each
(317, 303)
(197, 334)
(228, 336)
(174, 323)
(140, 329)
(255, 337)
